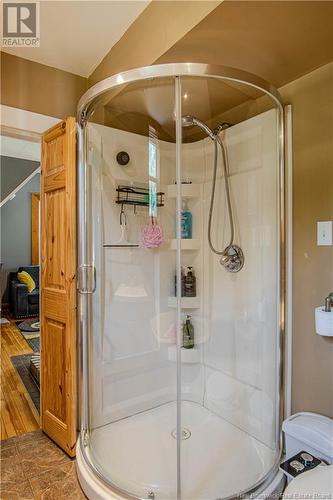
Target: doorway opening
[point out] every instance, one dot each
(20, 242)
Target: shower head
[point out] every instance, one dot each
(191, 121)
(187, 121)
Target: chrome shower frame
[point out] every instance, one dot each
(86, 106)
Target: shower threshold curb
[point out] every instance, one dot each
(93, 488)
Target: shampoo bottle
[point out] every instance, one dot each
(190, 283)
(188, 333)
(186, 222)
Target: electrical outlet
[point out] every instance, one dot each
(324, 233)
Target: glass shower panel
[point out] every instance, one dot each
(229, 410)
(133, 338)
(183, 355)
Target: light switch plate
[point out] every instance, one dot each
(324, 233)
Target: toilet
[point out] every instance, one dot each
(315, 483)
(309, 436)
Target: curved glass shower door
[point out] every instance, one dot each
(133, 383)
(181, 381)
(230, 395)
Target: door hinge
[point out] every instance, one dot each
(86, 279)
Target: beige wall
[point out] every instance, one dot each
(312, 99)
(155, 31)
(35, 87)
(268, 38)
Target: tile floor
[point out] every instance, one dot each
(33, 467)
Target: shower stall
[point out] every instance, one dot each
(162, 418)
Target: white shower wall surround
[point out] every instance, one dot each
(237, 321)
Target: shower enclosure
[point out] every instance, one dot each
(158, 419)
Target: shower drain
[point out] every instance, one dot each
(184, 435)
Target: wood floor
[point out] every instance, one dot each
(17, 416)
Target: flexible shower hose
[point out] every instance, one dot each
(227, 190)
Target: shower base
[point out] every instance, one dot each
(139, 455)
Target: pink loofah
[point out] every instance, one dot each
(152, 236)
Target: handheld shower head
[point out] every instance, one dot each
(187, 121)
(232, 256)
(191, 121)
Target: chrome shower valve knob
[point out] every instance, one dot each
(232, 258)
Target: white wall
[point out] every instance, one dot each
(132, 371)
(236, 324)
(240, 310)
(15, 216)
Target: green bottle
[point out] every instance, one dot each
(188, 333)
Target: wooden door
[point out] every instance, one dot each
(35, 229)
(58, 285)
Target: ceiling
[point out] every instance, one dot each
(279, 41)
(276, 40)
(76, 35)
(19, 148)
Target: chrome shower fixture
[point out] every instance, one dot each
(221, 127)
(232, 257)
(187, 121)
(191, 121)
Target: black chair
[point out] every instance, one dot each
(23, 304)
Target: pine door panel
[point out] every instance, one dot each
(58, 285)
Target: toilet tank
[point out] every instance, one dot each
(310, 432)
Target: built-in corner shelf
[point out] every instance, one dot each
(187, 355)
(188, 190)
(186, 302)
(186, 244)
